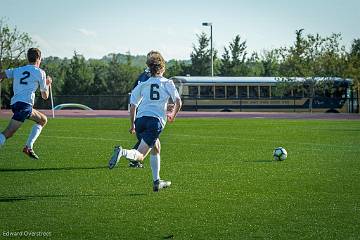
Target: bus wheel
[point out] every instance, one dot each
(332, 111)
(225, 110)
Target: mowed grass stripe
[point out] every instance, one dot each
(225, 183)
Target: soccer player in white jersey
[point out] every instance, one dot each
(148, 105)
(26, 80)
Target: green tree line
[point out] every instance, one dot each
(309, 56)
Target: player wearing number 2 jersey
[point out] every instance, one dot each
(148, 102)
(26, 80)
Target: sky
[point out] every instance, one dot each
(96, 28)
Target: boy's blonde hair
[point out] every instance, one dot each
(155, 62)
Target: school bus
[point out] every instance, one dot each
(264, 94)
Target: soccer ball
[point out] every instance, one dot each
(280, 154)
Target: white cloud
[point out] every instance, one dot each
(47, 48)
(86, 32)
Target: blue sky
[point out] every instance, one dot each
(95, 28)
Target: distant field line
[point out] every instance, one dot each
(312, 144)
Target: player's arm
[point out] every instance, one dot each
(176, 99)
(45, 91)
(135, 99)
(132, 118)
(177, 106)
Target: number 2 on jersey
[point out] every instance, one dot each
(154, 95)
(25, 74)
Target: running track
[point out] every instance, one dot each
(125, 114)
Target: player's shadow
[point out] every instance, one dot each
(48, 169)
(12, 199)
(9, 199)
(32, 197)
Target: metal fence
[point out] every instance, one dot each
(120, 102)
(96, 102)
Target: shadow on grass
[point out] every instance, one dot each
(35, 197)
(137, 194)
(168, 236)
(32, 197)
(260, 161)
(12, 199)
(48, 169)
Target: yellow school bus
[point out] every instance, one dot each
(264, 94)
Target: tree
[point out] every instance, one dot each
(13, 47)
(121, 77)
(238, 56)
(79, 77)
(311, 57)
(254, 66)
(99, 85)
(56, 68)
(201, 57)
(234, 58)
(270, 62)
(174, 68)
(353, 69)
(292, 64)
(225, 69)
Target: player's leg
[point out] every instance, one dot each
(155, 168)
(13, 126)
(136, 164)
(21, 112)
(147, 131)
(40, 121)
(138, 154)
(133, 155)
(155, 160)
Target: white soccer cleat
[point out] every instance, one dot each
(160, 184)
(115, 157)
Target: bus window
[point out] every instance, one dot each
(339, 92)
(287, 93)
(230, 92)
(220, 92)
(253, 91)
(298, 92)
(206, 92)
(243, 92)
(275, 92)
(319, 92)
(193, 91)
(264, 91)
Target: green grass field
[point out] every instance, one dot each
(225, 183)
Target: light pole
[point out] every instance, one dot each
(211, 46)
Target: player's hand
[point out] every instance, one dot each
(170, 117)
(170, 107)
(48, 80)
(132, 130)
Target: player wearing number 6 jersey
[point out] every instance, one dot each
(148, 102)
(26, 80)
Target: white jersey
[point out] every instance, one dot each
(26, 80)
(151, 97)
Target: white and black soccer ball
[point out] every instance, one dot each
(280, 154)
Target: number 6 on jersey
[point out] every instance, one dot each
(154, 94)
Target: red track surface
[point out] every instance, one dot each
(125, 114)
